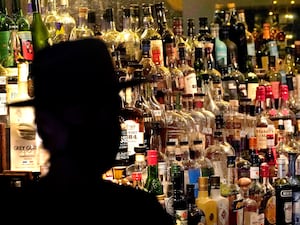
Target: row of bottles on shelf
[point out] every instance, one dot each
(209, 186)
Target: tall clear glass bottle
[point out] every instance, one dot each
(68, 22)
(150, 33)
(82, 30)
(51, 19)
(128, 41)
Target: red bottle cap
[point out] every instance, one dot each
(152, 157)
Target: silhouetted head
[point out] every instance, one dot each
(76, 101)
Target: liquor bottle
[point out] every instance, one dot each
(249, 35)
(274, 77)
(51, 19)
(83, 31)
(180, 205)
(256, 191)
(232, 49)
(191, 41)
(264, 125)
(67, 21)
(188, 71)
(40, 34)
(137, 182)
(203, 164)
(128, 41)
(295, 185)
(284, 112)
(251, 81)
(250, 206)
(268, 204)
(219, 14)
(167, 34)
(210, 118)
(220, 47)
(217, 155)
(204, 36)
(151, 34)
(28, 14)
(206, 203)
(231, 191)
(238, 35)
(284, 205)
(243, 166)
(153, 184)
(196, 216)
(222, 202)
(209, 102)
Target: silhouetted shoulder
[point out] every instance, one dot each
(108, 202)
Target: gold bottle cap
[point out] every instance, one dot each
(231, 5)
(219, 6)
(203, 183)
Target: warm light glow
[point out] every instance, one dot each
(271, 13)
(289, 36)
(292, 2)
(274, 2)
(289, 16)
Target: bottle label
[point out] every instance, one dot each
(254, 172)
(190, 83)
(237, 205)
(296, 207)
(261, 137)
(134, 136)
(270, 210)
(223, 213)
(288, 212)
(181, 217)
(251, 89)
(26, 43)
(156, 52)
(250, 218)
(169, 205)
(251, 48)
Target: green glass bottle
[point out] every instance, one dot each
(40, 34)
(6, 26)
(153, 184)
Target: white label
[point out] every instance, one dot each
(190, 83)
(23, 147)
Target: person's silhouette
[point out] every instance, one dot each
(77, 105)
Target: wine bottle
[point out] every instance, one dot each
(40, 34)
